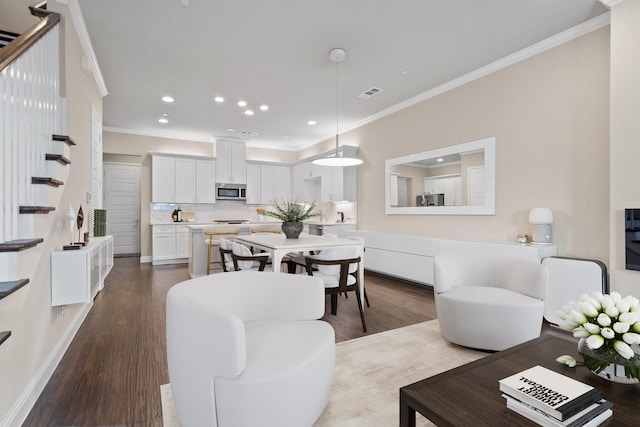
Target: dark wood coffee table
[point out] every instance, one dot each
(469, 395)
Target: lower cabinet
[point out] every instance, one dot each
(78, 275)
(170, 244)
(411, 257)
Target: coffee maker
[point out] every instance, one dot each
(339, 216)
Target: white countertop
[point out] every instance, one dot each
(328, 223)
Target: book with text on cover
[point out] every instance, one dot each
(555, 394)
(593, 415)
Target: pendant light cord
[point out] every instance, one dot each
(337, 102)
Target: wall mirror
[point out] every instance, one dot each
(454, 180)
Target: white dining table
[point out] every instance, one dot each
(277, 245)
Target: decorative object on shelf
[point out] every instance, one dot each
(337, 55)
(80, 221)
(523, 238)
(99, 222)
(292, 214)
(541, 218)
(71, 218)
(609, 330)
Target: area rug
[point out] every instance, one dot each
(369, 373)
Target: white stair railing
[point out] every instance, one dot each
(29, 115)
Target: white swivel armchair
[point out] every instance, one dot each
(245, 349)
(489, 302)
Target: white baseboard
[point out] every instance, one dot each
(145, 259)
(23, 405)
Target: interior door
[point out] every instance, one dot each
(122, 202)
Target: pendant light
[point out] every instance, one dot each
(337, 55)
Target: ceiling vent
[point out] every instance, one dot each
(369, 93)
(244, 132)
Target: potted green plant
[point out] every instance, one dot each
(292, 213)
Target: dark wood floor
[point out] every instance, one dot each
(112, 372)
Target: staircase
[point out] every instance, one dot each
(34, 159)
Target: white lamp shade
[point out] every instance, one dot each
(541, 216)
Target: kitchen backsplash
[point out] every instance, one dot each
(160, 213)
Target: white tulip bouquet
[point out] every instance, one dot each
(610, 328)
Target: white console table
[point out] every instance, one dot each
(78, 275)
(410, 256)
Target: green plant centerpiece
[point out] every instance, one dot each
(292, 213)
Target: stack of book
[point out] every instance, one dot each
(554, 400)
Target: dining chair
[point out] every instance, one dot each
(244, 260)
(226, 249)
(212, 239)
(338, 268)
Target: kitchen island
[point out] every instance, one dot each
(198, 249)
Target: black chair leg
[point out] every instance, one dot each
(334, 304)
(364, 324)
(366, 298)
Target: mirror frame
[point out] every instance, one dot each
(489, 207)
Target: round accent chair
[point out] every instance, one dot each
(246, 349)
(489, 302)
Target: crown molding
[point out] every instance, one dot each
(610, 3)
(528, 52)
(85, 42)
(168, 135)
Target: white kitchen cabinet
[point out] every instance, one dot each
(182, 241)
(162, 179)
(331, 184)
(78, 275)
(181, 179)
(309, 170)
(297, 183)
(205, 177)
(231, 167)
(185, 180)
(253, 184)
(449, 185)
(170, 244)
(275, 183)
(268, 183)
(163, 242)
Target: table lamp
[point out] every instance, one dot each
(541, 218)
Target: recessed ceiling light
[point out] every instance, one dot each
(164, 115)
(264, 107)
(242, 103)
(249, 112)
(404, 72)
(440, 159)
(218, 99)
(311, 122)
(167, 99)
(230, 130)
(185, 3)
(163, 120)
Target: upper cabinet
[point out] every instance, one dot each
(268, 183)
(162, 179)
(231, 167)
(176, 179)
(324, 183)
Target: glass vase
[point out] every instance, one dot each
(607, 363)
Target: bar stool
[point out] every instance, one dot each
(212, 239)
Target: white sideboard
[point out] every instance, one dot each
(78, 275)
(410, 256)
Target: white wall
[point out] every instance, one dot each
(41, 329)
(625, 136)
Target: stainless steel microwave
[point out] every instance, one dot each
(231, 192)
